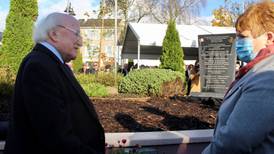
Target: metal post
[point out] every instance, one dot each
(115, 43)
(138, 61)
(67, 8)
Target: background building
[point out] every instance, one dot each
(99, 41)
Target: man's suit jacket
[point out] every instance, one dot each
(246, 118)
(51, 114)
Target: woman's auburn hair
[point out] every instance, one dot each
(258, 18)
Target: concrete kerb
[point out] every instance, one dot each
(158, 138)
(154, 138)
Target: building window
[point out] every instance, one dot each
(109, 34)
(92, 51)
(93, 34)
(108, 51)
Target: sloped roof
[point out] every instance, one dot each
(151, 36)
(97, 22)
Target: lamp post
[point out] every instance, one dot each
(115, 43)
(69, 9)
(101, 34)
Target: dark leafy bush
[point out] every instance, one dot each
(149, 81)
(77, 64)
(7, 79)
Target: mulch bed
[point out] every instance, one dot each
(154, 114)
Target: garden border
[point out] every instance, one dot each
(158, 138)
(154, 138)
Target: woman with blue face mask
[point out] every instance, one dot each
(245, 122)
(244, 49)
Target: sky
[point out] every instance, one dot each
(81, 6)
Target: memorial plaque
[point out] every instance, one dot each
(217, 60)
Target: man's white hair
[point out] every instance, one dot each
(41, 30)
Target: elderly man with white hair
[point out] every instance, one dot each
(51, 114)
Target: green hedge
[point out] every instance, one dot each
(95, 89)
(96, 84)
(91, 88)
(85, 78)
(147, 81)
(104, 78)
(108, 78)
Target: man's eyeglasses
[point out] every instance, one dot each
(76, 33)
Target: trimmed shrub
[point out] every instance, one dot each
(173, 87)
(172, 53)
(17, 37)
(148, 81)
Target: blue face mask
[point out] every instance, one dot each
(244, 49)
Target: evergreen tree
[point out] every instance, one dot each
(172, 54)
(17, 37)
(77, 64)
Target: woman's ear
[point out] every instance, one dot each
(270, 38)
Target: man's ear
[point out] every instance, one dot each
(270, 38)
(53, 35)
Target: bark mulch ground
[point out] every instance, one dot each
(154, 114)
